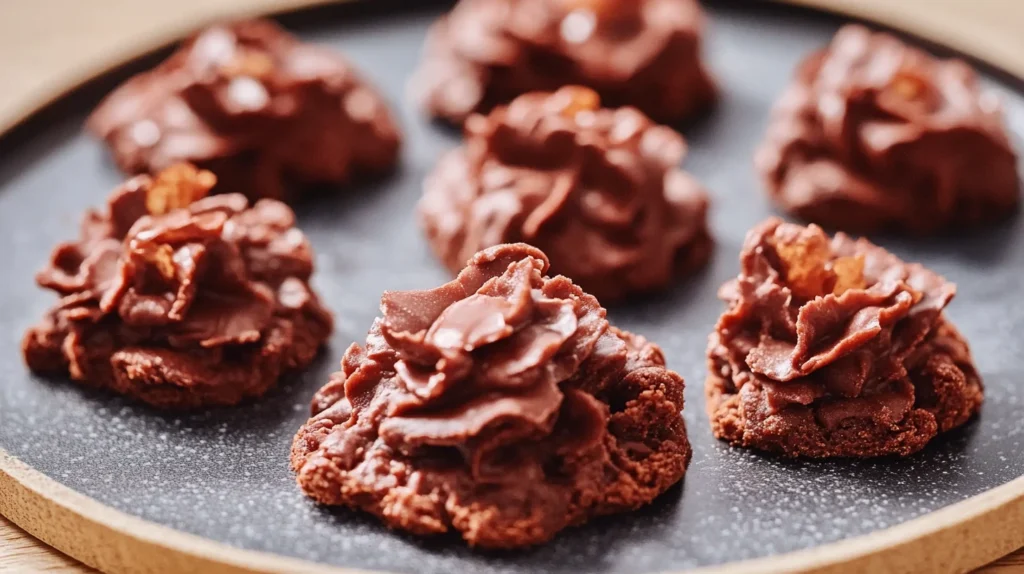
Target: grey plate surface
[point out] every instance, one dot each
(223, 474)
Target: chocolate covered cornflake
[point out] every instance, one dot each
(180, 300)
(598, 190)
(641, 53)
(835, 348)
(501, 406)
(269, 115)
(875, 135)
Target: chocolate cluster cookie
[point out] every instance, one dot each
(641, 53)
(876, 135)
(599, 190)
(266, 113)
(179, 300)
(835, 348)
(501, 405)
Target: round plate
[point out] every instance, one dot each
(223, 475)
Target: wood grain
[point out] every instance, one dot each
(50, 46)
(20, 552)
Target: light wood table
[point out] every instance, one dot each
(20, 552)
(49, 46)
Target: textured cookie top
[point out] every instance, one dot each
(876, 134)
(248, 97)
(483, 356)
(163, 266)
(501, 404)
(812, 319)
(486, 52)
(597, 189)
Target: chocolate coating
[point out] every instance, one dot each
(501, 405)
(835, 349)
(641, 53)
(266, 113)
(180, 301)
(596, 189)
(876, 135)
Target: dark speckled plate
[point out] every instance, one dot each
(223, 474)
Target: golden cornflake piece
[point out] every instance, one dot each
(913, 89)
(177, 187)
(162, 256)
(907, 86)
(249, 63)
(572, 100)
(849, 274)
(804, 257)
(810, 271)
(592, 5)
(607, 9)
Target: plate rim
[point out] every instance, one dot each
(958, 537)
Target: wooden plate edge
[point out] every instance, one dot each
(56, 70)
(957, 538)
(113, 541)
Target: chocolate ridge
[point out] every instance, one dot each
(597, 189)
(500, 405)
(875, 135)
(178, 300)
(835, 348)
(643, 53)
(269, 115)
